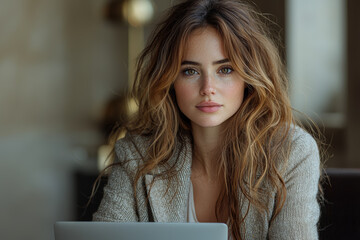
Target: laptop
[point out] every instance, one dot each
(140, 231)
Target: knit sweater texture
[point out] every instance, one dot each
(297, 219)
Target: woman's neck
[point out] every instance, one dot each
(206, 150)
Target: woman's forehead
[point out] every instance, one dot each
(205, 40)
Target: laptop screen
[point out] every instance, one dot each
(140, 231)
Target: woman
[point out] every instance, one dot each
(215, 139)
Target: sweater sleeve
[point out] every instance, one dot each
(118, 203)
(300, 214)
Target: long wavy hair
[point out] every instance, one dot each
(256, 136)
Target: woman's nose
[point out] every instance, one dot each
(207, 86)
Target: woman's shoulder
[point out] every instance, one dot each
(301, 140)
(130, 150)
(304, 152)
(132, 140)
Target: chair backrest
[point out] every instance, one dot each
(340, 215)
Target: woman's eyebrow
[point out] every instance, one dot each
(226, 60)
(190, 63)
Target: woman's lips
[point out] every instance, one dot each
(208, 107)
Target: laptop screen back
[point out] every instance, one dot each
(140, 231)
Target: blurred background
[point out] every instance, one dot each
(65, 66)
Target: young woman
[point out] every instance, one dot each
(215, 139)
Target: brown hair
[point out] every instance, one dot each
(255, 137)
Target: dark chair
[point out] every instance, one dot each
(83, 187)
(340, 214)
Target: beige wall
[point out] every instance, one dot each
(59, 63)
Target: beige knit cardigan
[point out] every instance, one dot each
(297, 220)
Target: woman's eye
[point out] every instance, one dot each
(190, 72)
(226, 70)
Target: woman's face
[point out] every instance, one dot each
(208, 90)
